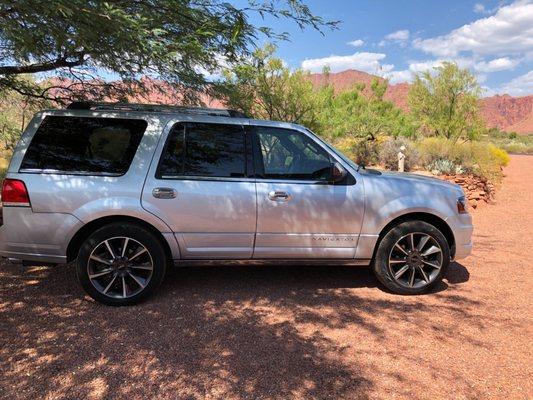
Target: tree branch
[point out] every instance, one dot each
(42, 67)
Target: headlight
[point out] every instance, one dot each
(462, 205)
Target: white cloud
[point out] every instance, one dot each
(415, 67)
(398, 36)
(401, 37)
(356, 43)
(498, 64)
(361, 61)
(519, 86)
(509, 31)
(399, 76)
(479, 8)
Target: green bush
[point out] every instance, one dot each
(362, 151)
(3, 167)
(444, 166)
(388, 154)
(479, 158)
(510, 142)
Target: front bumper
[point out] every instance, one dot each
(462, 232)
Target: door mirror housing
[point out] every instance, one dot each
(338, 172)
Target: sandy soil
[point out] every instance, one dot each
(286, 332)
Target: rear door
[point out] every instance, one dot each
(201, 188)
(301, 213)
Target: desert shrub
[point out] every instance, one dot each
(482, 159)
(518, 147)
(499, 155)
(445, 166)
(366, 152)
(3, 166)
(512, 142)
(362, 151)
(432, 149)
(346, 144)
(388, 154)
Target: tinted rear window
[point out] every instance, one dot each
(84, 145)
(204, 150)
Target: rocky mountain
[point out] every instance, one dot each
(510, 114)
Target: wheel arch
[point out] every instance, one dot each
(431, 219)
(86, 230)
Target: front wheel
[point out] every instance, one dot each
(412, 258)
(121, 264)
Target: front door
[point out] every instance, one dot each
(301, 213)
(202, 191)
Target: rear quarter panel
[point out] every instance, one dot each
(87, 198)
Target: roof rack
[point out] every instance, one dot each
(90, 105)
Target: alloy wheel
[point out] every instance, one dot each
(120, 267)
(415, 260)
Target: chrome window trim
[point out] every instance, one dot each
(204, 178)
(62, 172)
(258, 180)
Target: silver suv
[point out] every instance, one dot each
(125, 191)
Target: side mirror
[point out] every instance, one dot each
(338, 173)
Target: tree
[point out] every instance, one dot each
(446, 102)
(264, 88)
(15, 112)
(83, 42)
(355, 114)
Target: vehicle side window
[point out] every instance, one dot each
(84, 145)
(204, 150)
(289, 154)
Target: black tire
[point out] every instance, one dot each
(423, 281)
(153, 257)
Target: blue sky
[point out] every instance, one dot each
(394, 39)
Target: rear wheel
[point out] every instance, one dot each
(412, 258)
(121, 264)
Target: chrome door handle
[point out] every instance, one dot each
(164, 193)
(279, 195)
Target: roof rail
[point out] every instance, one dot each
(90, 105)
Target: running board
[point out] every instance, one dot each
(280, 262)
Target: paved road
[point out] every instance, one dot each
(286, 332)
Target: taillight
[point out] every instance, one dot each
(14, 193)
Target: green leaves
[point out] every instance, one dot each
(264, 88)
(362, 114)
(446, 102)
(84, 40)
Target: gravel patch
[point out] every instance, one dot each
(286, 332)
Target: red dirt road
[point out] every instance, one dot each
(286, 332)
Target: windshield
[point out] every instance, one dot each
(341, 155)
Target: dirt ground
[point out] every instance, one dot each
(286, 332)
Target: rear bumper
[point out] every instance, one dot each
(41, 237)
